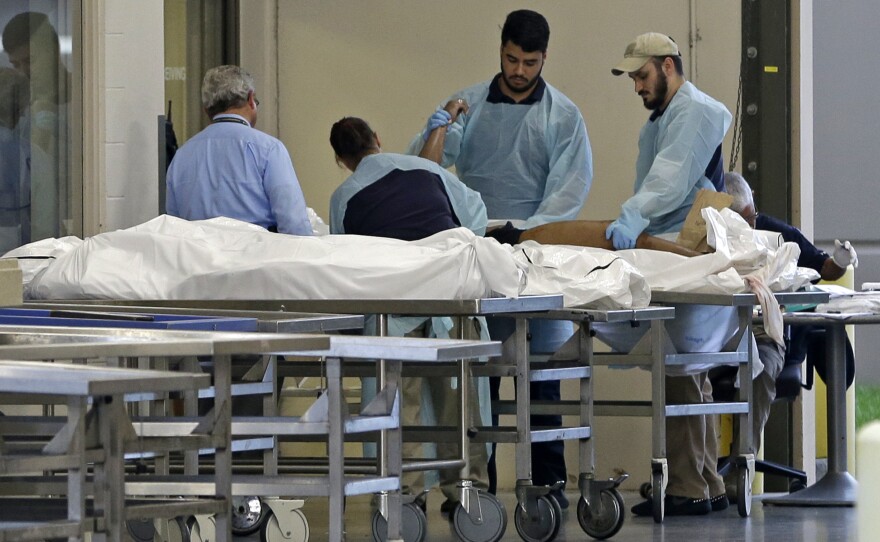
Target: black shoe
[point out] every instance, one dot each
(675, 506)
(448, 508)
(560, 497)
(719, 502)
(422, 502)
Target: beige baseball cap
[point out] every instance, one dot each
(642, 49)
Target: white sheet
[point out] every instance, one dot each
(169, 258)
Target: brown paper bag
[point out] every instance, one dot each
(693, 233)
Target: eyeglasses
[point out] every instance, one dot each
(752, 217)
(256, 101)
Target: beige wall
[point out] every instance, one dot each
(393, 62)
(123, 60)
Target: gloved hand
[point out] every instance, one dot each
(440, 118)
(622, 236)
(844, 254)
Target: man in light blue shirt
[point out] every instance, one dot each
(678, 146)
(677, 150)
(230, 168)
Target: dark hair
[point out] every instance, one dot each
(527, 29)
(350, 137)
(676, 61)
(23, 27)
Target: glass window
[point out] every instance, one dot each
(37, 190)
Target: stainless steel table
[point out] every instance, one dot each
(838, 487)
(737, 351)
(45, 343)
(94, 406)
(384, 308)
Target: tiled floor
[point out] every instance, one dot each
(766, 523)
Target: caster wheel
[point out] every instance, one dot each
(199, 532)
(658, 496)
(413, 527)
(175, 530)
(299, 528)
(743, 493)
(491, 529)
(604, 524)
(141, 530)
(145, 530)
(248, 515)
(645, 490)
(545, 527)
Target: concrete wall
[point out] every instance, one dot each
(846, 72)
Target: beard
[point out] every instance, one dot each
(660, 90)
(518, 87)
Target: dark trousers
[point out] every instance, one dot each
(548, 458)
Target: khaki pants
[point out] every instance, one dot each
(691, 441)
(763, 388)
(438, 395)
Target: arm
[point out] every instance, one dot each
(285, 195)
(171, 207)
(570, 174)
(434, 145)
(473, 96)
(337, 213)
(684, 151)
(811, 256)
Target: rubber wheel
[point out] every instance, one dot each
(545, 527)
(177, 530)
(743, 493)
(605, 524)
(645, 490)
(796, 485)
(144, 530)
(490, 530)
(195, 532)
(271, 530)
(248, 515)
(658, 497)
(413, 526)
(141, 530)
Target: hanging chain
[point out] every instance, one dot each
(737, 127)
(737, 117)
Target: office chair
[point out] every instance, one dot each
(802, 343)
(788, 386)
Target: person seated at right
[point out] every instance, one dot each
(771, 354)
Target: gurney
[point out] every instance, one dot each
(622, 280)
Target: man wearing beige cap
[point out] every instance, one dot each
(679, 153)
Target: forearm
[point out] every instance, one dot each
(433, 147)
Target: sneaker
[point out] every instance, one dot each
(675, 506)
(560, 497)
(719, 502)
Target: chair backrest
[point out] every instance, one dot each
(788, 382)
(811, 346)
